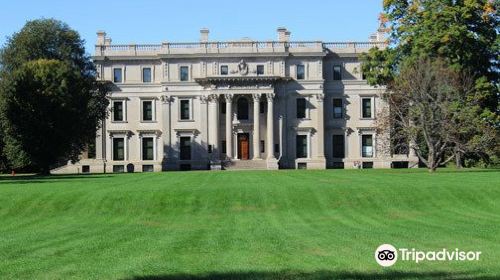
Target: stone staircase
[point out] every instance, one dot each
(246, 165)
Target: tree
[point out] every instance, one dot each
(464, 34)
(50, 102)
(423, 101)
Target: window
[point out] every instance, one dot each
(147, 148)
(210, 149)
(185, 110)
(338, 146)
(224, 70)
(367, 165)
(301, 108)
(185, 143)
(147, 168)
(262, 146)
(367, 146)
(243, 108)
(276, 148)
(118, 168)
(184, 76)
(117, 75)
(147, 110)
(223, 146)
(366, 107)
(301, 148)
(260, 69)
(300, 72)
(146, 75)
(118, 111)
(337, 72)
(262, 107)
(85, 168)
(118, 148)
(337, 108)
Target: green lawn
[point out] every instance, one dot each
(247, 225)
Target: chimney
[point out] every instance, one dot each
(101, 36)
(287, 36)
(281, 34)
(204, 35)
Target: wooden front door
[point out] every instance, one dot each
(243, 146)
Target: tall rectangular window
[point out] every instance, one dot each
(260, 69)
(147, 110)
(118, 111)
(184, 73)
(185, 148)
(300, 72)
(262, 107)
(366, 107)
(301, 108)
(262, 146)
(224, 70)
(337, 72)
(185, 110)
(301, 146)
(117, 75)
(338, 108)
(367, 145)
(146, 75)
(147, 148)
(118, 148)
(338, 146)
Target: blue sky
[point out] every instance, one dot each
(149, 21)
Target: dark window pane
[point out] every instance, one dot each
(223, 147)
(222, 107)
(184, 73)
(337, 108)
(243, 109)
(301, 108)
(185, 110)
(262, 107)
(117, 75)
(147, 110)
(147, 168)
(224, 70)
(300, 72)
(147, 148)
(367, 145)
(367, 107)
(185, 143)
(118, 111)
(118, 148)
(301, 147)
(262, 146)
(337, 72)
(338, 146)
(146, 75)
(260, 69)
(118, 168)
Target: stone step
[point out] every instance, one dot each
(246, 165)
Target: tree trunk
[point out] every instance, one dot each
(458, 159)
(431, 161)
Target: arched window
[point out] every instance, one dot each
(242, 108)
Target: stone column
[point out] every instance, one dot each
(320, 133)
(256, 126)
(270, 126)
(213, 108)
(229, 125)
(166, 127)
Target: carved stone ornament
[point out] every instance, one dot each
(243, 68)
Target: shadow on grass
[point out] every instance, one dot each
(319, 275)
(30, 179)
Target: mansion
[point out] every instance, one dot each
(238, 105)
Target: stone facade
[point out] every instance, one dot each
(213, 105)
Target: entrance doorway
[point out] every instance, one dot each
(243, 146)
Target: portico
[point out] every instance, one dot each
(248, 127)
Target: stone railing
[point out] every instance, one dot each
(234, 47)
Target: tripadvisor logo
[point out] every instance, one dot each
(387, 255)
